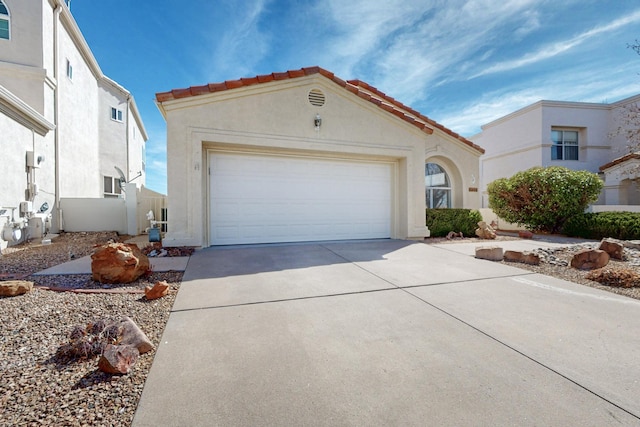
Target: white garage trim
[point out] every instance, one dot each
(264, 198)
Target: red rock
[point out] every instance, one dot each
(158, 290)
(590, 259)
(118, 263)
(613, 247)
(118, 359)
(525, 234)
(13, 288)
(132, 335)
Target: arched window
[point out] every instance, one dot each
(4, 21)
(437, 186)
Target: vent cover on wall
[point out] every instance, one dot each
(316, 97)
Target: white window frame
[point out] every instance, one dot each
(69, 70)
(6, 18)
(116, 115)
(562, 145)
(430, 189)
(116, 190)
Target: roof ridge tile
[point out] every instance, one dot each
(355, 86)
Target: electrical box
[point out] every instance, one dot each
(33, 160)
(25, 208)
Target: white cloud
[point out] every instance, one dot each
(238, 43)
(559, 47)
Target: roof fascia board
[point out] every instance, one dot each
(71, 26)
(21, 112)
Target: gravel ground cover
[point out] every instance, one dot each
(555, 262)
(39, 387)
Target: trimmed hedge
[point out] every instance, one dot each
(442, 221)
(618, 225)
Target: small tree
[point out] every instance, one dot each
(543, 198)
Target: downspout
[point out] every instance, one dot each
(56, 107)
(126, 126)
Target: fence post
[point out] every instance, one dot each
(131, 203)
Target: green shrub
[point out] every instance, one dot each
(618, 225)
(442, 221)
(542, 199)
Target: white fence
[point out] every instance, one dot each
(94, 215)
(125, 216)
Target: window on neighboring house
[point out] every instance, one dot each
(437, 186)
(4, 21)
(116, 114)
(69, 69)
(111, 187)
(565, 144)
(144, 158)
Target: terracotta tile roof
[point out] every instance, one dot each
(357, 87)
(620, 160)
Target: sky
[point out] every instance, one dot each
(463, 63)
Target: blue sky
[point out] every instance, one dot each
(461, 63)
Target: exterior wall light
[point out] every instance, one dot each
(317, 121)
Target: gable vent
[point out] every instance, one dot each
(316, 97)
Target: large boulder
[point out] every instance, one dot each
(118, 263)
(12, 288)
(589, 259)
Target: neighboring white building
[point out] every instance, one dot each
(304, 156)
(576, 135)
(64, 125)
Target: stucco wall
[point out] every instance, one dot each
(113, 134)
(277, 117)
(592, 122)
(77, 125)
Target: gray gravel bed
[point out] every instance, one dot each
(39, 388)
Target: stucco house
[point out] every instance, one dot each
(576, 135)
(64, 125)
(306, 156)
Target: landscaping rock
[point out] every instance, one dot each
(524, 257)
(525, 234)
(613, 247)
(632, 244)
(485, 231)
(158, 290)
(491, 253)
(454, 235)
(13, 288)
(118, 359)
(590, 259)
(118, 263)
(133, 335)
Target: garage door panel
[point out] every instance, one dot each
(263, 199)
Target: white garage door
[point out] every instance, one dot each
(268, 199)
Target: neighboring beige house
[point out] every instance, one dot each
(576, 135)
(64, 125)
(305, 156)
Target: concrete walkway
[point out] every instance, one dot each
(382, 333)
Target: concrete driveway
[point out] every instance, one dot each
(380, 333)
